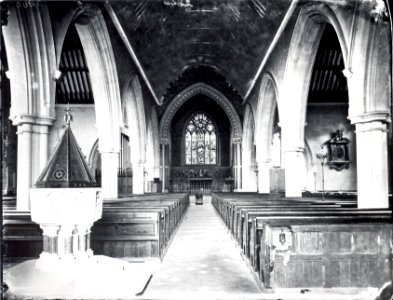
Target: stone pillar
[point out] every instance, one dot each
(264, 177)
(138, 176)
(249, 178)
(32, 156)
(44, 150)
(49, 233)
(372, 164)
(164, 142)
(238, 164)
(24, 167)
(294, 164)
(64, 241)
(109, 169)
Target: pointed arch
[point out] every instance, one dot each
(32, 95)
(305, 41)
(101, 62)
(187, 94)
(135, 111)
(249, 177)
(152, 146)
(266, 108)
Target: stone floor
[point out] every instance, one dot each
(202, 259)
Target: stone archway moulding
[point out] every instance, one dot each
(267, 104)
(304, 45)
(187, 94)
(100, 59)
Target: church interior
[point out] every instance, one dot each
(196, 149)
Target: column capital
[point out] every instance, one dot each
(108, 150)
(371, 126)
(237, 140)
(164, 141)
(50, 229)
(382, 116)
(294, 149)
(21, 119)
(264, 162)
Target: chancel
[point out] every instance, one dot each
(197, 149)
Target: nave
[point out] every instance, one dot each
(202, 261)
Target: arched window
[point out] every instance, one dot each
(200, 141)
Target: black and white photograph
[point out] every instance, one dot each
(196, 149)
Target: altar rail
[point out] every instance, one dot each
(192, 178)
(307, 242)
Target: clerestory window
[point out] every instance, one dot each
(200, 141)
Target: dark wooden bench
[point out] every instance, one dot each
(22, 238)
(132, 227)
(331, 251)
(249, 218)
(130, 232)
(138, 226)
(253, 228)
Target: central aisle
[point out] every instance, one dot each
(202, 261)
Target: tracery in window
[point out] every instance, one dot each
(200, 141)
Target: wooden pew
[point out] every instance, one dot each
(138, 226)
(323, 219)
(129, 232)
(22, 238)
(252, 234)
(331, 251)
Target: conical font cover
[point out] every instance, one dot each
(67, 167)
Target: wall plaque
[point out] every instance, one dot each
(338, 156)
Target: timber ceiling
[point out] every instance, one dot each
(328, 83)
(230, 36)
(219, 42)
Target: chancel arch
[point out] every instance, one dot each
(187, 94)
(201, 100)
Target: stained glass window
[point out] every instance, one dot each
(200, 141)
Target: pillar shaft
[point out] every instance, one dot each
(109, 169)
(163, 166)
(249, 178)
(294, 165)
(44, 141)
(238, 168)
(24, 166)
(372, 165)
(264, 177)
(138, 177)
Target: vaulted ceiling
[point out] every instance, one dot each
(230, 36)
